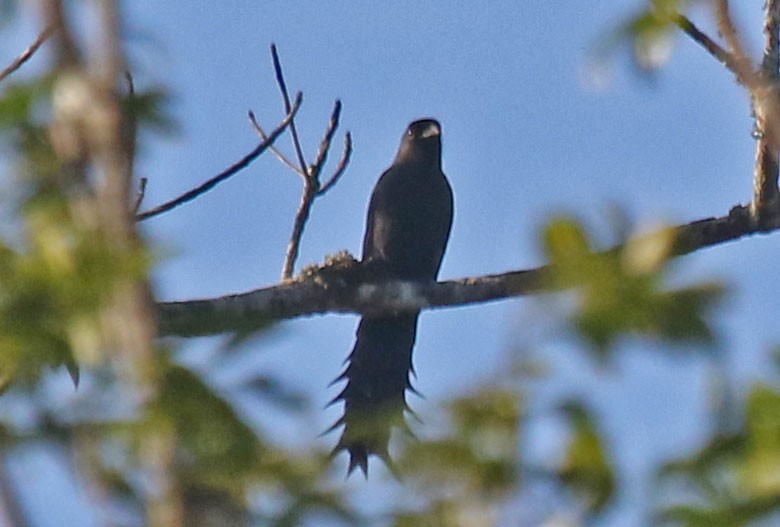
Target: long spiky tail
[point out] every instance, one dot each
(377, 375)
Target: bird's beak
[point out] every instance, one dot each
(431, 131)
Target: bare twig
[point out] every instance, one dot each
(322, 152)
(130, 136)
(27, 53)
(312, 187)
(743, 66)
(139, 197)
(278, 153)
(342, 166)
(727, 29)
(741, 69)
(222, 176)
(245, 311)
(286, 98)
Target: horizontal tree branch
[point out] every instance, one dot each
(342, 289)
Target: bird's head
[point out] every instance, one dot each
(421, 142)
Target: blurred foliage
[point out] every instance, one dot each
(150, 109)
(472, 470)
(652, 33)
(218, 452)
(649, 33)
(217, 447)
(734, 480)
(126, 423)
(622, 291)
(57, 270)
(219, 459)
(586, 468)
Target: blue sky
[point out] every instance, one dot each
(526, 135)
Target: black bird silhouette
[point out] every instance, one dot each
(408, 224)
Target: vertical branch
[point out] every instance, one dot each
(767, 114)
(771, 21)
(66, 53)
(765, 171)
(129, 317)
(301, 217)
(111, 133)
(110, 147)
(104, 135)
(165, 508)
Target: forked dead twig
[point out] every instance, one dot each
(312, 187)
(763, 86)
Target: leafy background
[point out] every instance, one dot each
(554, 138)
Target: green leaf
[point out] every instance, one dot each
(473, 467)
(586, 468)
(762, 468)
(150, 109)
(732, 480)
(16, 103)
(565, 240)
(222, 449)
(621, 291)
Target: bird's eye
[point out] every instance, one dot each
(410, 133)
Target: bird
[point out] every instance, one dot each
(407, 228)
